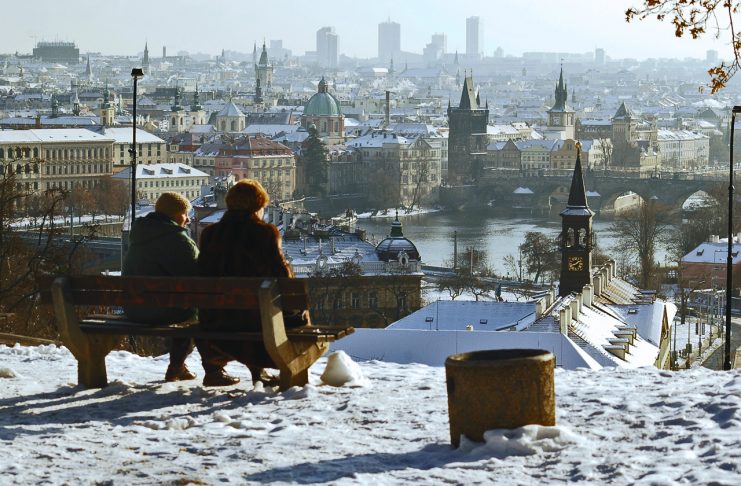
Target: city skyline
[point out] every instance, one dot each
(569, 26)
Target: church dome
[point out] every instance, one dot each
(396, 243)
(322, 103)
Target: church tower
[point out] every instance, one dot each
(106, 109)
(576, 236)
(561, 117)
(145, 59)
(264, 70)
(177, 114)
(467, 135)
(197, 113)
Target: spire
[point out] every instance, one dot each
(396, 227)
(577, 193)
(561, 94)
(196, 101)
(468, 97)
(176, 106)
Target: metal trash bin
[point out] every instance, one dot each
(499, 389)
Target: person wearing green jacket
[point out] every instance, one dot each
(160, 246)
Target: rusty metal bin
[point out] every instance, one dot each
(499, 389)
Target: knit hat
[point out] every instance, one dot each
(171, 204)
(247, 194)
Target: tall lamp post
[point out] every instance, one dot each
(136, 74)
(729, 258)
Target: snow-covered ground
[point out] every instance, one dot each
(640, 426)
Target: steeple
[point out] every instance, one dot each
(88, 70)
(76, 104)
(54, 106)
(196, 101)
(577, 193)
(468, 96)
(145, 59)
(176, 106)
(561, 94)
(263, 56)
(576, 235)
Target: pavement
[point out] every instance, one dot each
(712, 358)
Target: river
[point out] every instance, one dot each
(432, 233)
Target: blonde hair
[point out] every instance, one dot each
(171, 204)
(247, 194)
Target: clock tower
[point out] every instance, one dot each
(561, 117)
(576, 236)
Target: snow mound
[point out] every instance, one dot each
(342, 370)
(523, 441)
(7, 373)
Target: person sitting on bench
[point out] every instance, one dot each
(240, 245)
(160, 245)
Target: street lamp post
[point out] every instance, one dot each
(729, 258)
(136, 74)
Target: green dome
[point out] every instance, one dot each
(322, 103)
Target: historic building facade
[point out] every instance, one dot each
(323, 111)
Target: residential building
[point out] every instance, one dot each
(152, 180)
(56, 158)
(683, 149)
(150, 148)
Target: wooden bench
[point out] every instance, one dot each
(91, 337)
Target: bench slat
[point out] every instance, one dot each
(120, 326)
(177, 292)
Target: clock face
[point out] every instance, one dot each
(576, 264)
(556, 120)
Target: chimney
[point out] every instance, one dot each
(598, 285)
(37, 124)
(574, 304)
(388, 108)
(564, 315)
(587, 295)
(540, 305)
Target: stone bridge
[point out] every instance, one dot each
(551, 191)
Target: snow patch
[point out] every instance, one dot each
(342, 370)
(522, 441)
(7, 373)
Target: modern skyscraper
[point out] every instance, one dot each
(327, 47)
(389, 41)
(599, 56)
(474, 37)
(441, 41)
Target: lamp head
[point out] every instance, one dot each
(137, 73)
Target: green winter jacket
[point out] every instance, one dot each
(158, 247)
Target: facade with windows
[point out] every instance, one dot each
(151, 149)
(152, 180)
(44, 159)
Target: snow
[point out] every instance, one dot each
(618, 426)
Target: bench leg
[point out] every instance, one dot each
(91, 370)
(90, 351)
(290, 379)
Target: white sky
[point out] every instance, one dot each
(121, 26)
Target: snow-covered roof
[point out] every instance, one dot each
(714, 252)
(125, 135)
(161, 171)
(52, 135)
(451, 315)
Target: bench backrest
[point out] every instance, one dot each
(182, 292)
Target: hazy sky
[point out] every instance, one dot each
(121, 27)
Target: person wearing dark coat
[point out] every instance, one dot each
(160, 246)
(240, 245)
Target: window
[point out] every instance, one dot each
(355, 300)
(373, 300)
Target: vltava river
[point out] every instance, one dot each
(433, 234)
